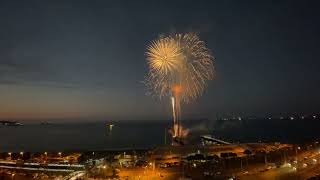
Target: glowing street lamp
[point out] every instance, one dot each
(297, 148)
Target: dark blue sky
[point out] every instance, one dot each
(86, 59)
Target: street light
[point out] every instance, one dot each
(297, 148)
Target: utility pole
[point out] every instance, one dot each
(265, 158)
(165, 136)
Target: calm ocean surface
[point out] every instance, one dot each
(95, 136)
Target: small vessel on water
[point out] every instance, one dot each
(10, 123)
(46, 123)
(109, 127)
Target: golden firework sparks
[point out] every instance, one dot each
(179, 66)
(179, 60)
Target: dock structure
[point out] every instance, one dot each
(214, 140)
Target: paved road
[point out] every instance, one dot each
(273, 174)
(150, 174)
(290, 173)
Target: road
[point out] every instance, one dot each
(308, 165)
(273, 174)
(148, 173)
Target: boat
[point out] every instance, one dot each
(46, 123)
(11, 123)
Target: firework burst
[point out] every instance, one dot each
(179, 62)
(179, 67)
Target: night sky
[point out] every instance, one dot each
(86, 59)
